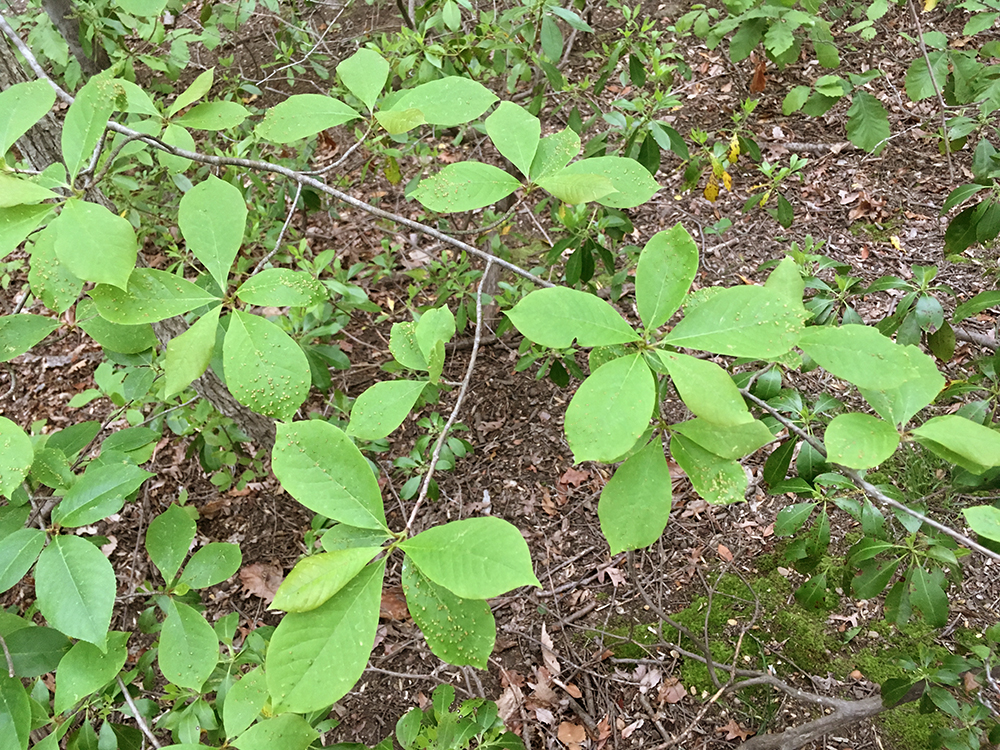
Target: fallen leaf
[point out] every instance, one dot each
(671, 691)
(574, 477)
(261, 579)
(393, 605)
(734, 731)
(615, 575)
(545, 716)
(542, 692)
(571, 735)
(549, 657)
(759, 80)
(573, 690)
(725, 554)
(969, 682)
(630, 729)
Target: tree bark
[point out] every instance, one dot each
(63, 17)
(41, 147)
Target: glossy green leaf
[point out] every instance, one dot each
(706, 389)
(867, 123)
(403, 346)
(18, 333)
(189, 647)
(477, 558)
(178, 137)
(15, 713)
(16, 455)
(220, 115)
(212, 564)
(212, 217)
(18, 552)
(189, 354)
(100, 492)
(198, 88)
(168, 540)
(742, 321)
(435, 325)
(85, 669)
(458, 631)
(316, 578)
(75, 585)
(21, 106)
(577, 188)
(920, 82)
(35, 651)
(872, 576)
(859, 441)
(383, 407)
(397, 122)
(972, 446)
(123, 339)
(897, 405)
(50, 280)
(265, 369)
(859, 354)
(791, 518)
(629, 178)
(282, 287)
(86, 120)
(465, 186)
(447, 101)
(557, 316)
(319, 466)
(812, 593)
(927, 595)
(717, 480)
(364, 73)
(316, 657)
(95, 244)
(610, 410)
(244, 702)
(151, 296)
(17, 191)
(667, 266)
(143, 8)
(516, 133)
(303, 115)
(342, 536)
(635, 504)
(984, 520)
(287, 732)
(726, 441)
(17, 222)
(554, 152)
(974, 306)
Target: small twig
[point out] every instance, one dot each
(109, 162)
(10, 661)
(136, 715)
(281, 234)
(937, 90)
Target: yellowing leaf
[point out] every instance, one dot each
(930, 5)
(734, 149)
(712, 189)
(727, 180)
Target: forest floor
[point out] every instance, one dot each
(580, 663)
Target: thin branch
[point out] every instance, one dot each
(458, 401)
(10, 660)
(937, 90)
(281, 234)
(138, 716)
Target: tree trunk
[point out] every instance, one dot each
(40, 147)
(63, 17)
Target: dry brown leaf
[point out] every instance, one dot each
(509, 704)
(759, 80)
(549, 657)
(571, 735)
(393, 605)
(573, 690)
(725, 554)
(671, 691)
(542, 692)
(615, 575)
(734, 731)
(574, 477)
(261, 579)
(969, 682)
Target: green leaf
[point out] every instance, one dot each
(576, 188)
(551, 39)
(319, 466)
(198, 88)
(974, 306)
(282, 287)
(557, 316)
(794, 99)
(979, 22)
(85, 669)
(287, 732)
(742, 321)
(872, 576)
(18, 333)
(35, 651)
(859, 441)
(116, 338)
(570, 17)
(189, 647)
(220, 115)
(404, 348)
(244, 702)
(717, 480)
(635, 504)
(984, 520)
(15, 713)
(867, 123)
(316, 657)
(554, 152)
(303, 115)
(342, 536)
(17, 222)
(477, 558)
(667, 266)
(516, 133)
(927, 595)
(316, 578)
(151, 296)
(398, 122)
(50, 280)
(959, 195)
(168, 540)
(143, 8)
(21, 106)
(178, 137)
(458, 631)
(447, 101)
(919, 84)
(972, 446)
(792, 517)
(75, 585)
(899, 404)
(212, 217)
(465, 186)
(15, 191)
(437, 325)
(610, 410)
(859, 354)
(383, 407)
(100, 492)
(364, 73)
(212, 564)
(726, 441)
(86, 120)
(633, 182)
(95, 244)
(812, 593)
(706, 389)
(18, 552)
(189, 354)
(265, 369)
